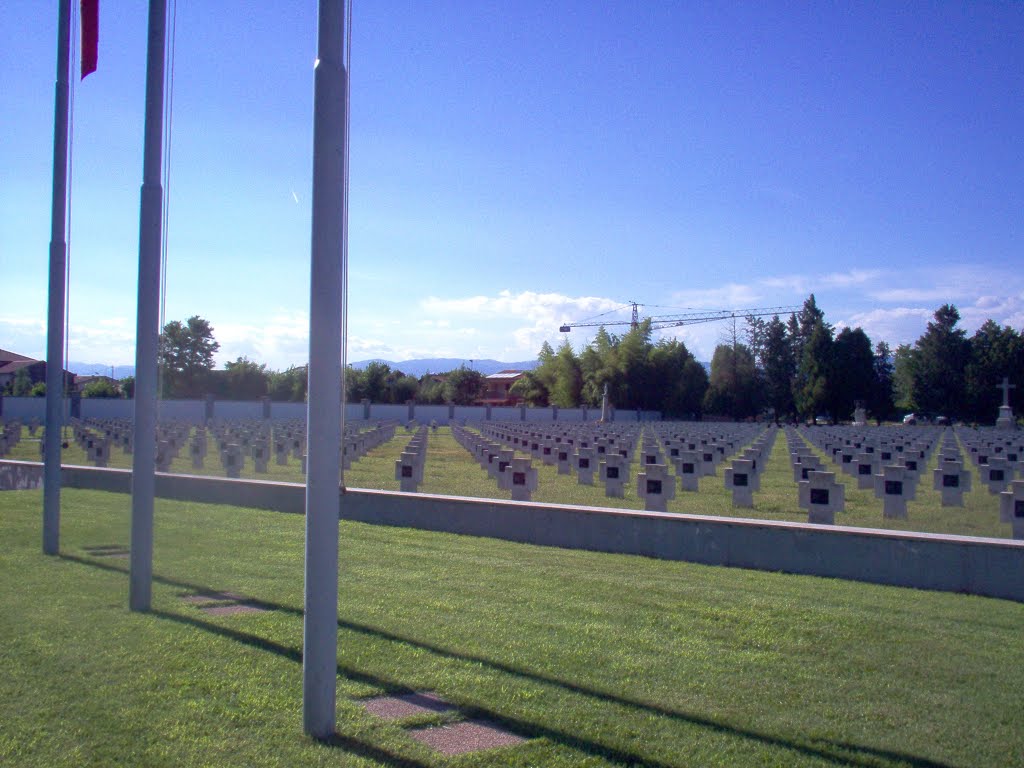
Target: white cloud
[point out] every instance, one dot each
(729, 296)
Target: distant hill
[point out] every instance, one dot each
(99, 369)
(444, 364)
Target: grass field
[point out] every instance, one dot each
(452, 470)
(599, 660)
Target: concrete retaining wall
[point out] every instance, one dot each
(990, 567)
(25, 409)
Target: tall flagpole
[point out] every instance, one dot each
(325, 414)
(147, 330)
(58, 271)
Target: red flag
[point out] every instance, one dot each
(90, 18)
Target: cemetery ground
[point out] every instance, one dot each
(451, 470)
(593, 659)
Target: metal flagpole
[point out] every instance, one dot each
(147, 331)
(55, 311)
(324, 416)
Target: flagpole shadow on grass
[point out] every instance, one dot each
(835, 752)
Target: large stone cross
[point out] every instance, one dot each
(1006, 386)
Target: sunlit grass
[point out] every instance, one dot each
(599, 660)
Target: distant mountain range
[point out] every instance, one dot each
(444, 364)
(99, 369)
(409, 367)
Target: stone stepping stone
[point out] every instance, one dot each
(203, 598)
(406, 705)
(467, 736)
(108, 550)
(222, 603)
(228, 610)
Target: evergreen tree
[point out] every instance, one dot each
(996, 351)
(779, 369)
(942, 354)
(852, 372)
(881, 402)
(812, 380)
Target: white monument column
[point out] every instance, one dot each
(326, 341)
(147, 326)
(55, 312)
(1006, 420)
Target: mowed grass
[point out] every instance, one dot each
(452, 470)
(599, 660)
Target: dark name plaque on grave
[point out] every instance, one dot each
(654, 487)
(406, 470)
(911, 465)
(819, 495)
(893, 487)
(863, 469)
(518, 478)
(996, 475)
(502, 465)
(740, 479)
(708, 457)
(612, 473)
(563, 456)
(804, 472)
(1018, 507)
(584, 463)
(650, 458)
(886, 455)
(951, 481)
(688, 468)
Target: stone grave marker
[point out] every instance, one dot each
(614, 471)
(822, 497)
(520, 477)
(1011, 507)
(739, 479)
(951, 479)
(895, 486)
(689, 470)
(656, 487)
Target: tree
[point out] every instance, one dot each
(904, 362)
(852, 372)
(22, 384)
(530, 389)
(186, 356)
(995, 351)
(733, 388)
(683, 380)
(431, 390)
(100, 388)
(245, 380)
(881, 402)
(779, 369)
(568, 379)
(942, 354)
(288, 386)
(127, 385)
(811, 390)
(463, 386)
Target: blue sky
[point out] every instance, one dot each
(518, 165)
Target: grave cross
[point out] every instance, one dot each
(1006, 386)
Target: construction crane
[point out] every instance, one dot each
(689, 318)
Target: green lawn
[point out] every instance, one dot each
(452, 470)
(600, 660)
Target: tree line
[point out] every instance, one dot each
(783, 369)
